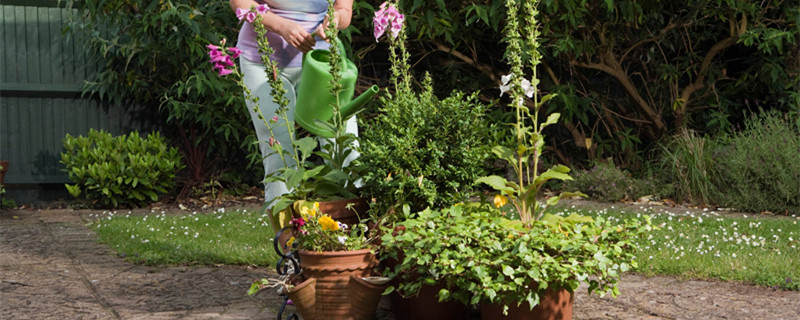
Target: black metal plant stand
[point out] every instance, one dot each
(288, 265)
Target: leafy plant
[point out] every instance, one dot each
(688, 158)
(150, 55)
(316, 231)
(607, 182)
(479, 255)
(525, 157)
(123, 171)
(758, 168)
(420, 150)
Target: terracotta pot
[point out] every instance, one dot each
(334, 290)
(556, 305)
(337, 209)
(304, 298)
(426, 306)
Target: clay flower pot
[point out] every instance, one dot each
(334, 279)
(556, 305)
(337, 209)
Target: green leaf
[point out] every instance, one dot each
(497, 182)
(388, 290)
(504, 153)
(508, 270)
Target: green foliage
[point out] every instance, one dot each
(689, 159)
(480, 256)
(423, 151)
(758, 168)
(123, 171)
(153, 54)
(607, 182)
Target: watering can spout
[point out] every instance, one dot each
(359, 102)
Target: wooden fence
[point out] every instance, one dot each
(42, 73)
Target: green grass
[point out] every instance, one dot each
(710, 245)
(234, 237)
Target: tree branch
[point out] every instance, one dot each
(482, 67)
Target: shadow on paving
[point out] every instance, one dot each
(51, 267)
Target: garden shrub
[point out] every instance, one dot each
(688, 159)
(424, 151)
(759, 167)
(607, 182)
(123, 171)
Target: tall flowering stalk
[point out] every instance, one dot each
(388, 17)
(527, 128)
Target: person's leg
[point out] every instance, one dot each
(255, 78)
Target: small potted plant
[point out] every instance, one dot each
(337, 261)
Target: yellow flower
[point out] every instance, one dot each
(314, 210)
(290, 242)
(304, 212)
(328, 224)
(500, 200)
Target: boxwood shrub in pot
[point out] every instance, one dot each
(421, 150)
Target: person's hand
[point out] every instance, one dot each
(324, 25)
(295, 35)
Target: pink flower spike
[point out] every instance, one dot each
(241, 13)
(235, 52)
(262, 8)
(224, 72)
(212, 47)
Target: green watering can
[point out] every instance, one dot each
(314, 98)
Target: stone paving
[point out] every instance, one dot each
(51, 267)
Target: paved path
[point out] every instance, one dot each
(51, 267)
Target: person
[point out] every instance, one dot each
(295, 27)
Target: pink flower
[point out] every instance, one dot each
(387, 16)
(262, 8)
(298, 222)
(241, 13)
(224, 72)
(272, 141)
(274, 119)
(235, 52)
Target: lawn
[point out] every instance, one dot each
(706, 245)
(714, 245)
(237, 237)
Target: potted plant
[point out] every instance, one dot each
(509, 256)
(307, 180)
(537, 260)
(419, 151)
(336, 260)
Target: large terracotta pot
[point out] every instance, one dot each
(556, 305)
(336, 294)
(426, 306)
